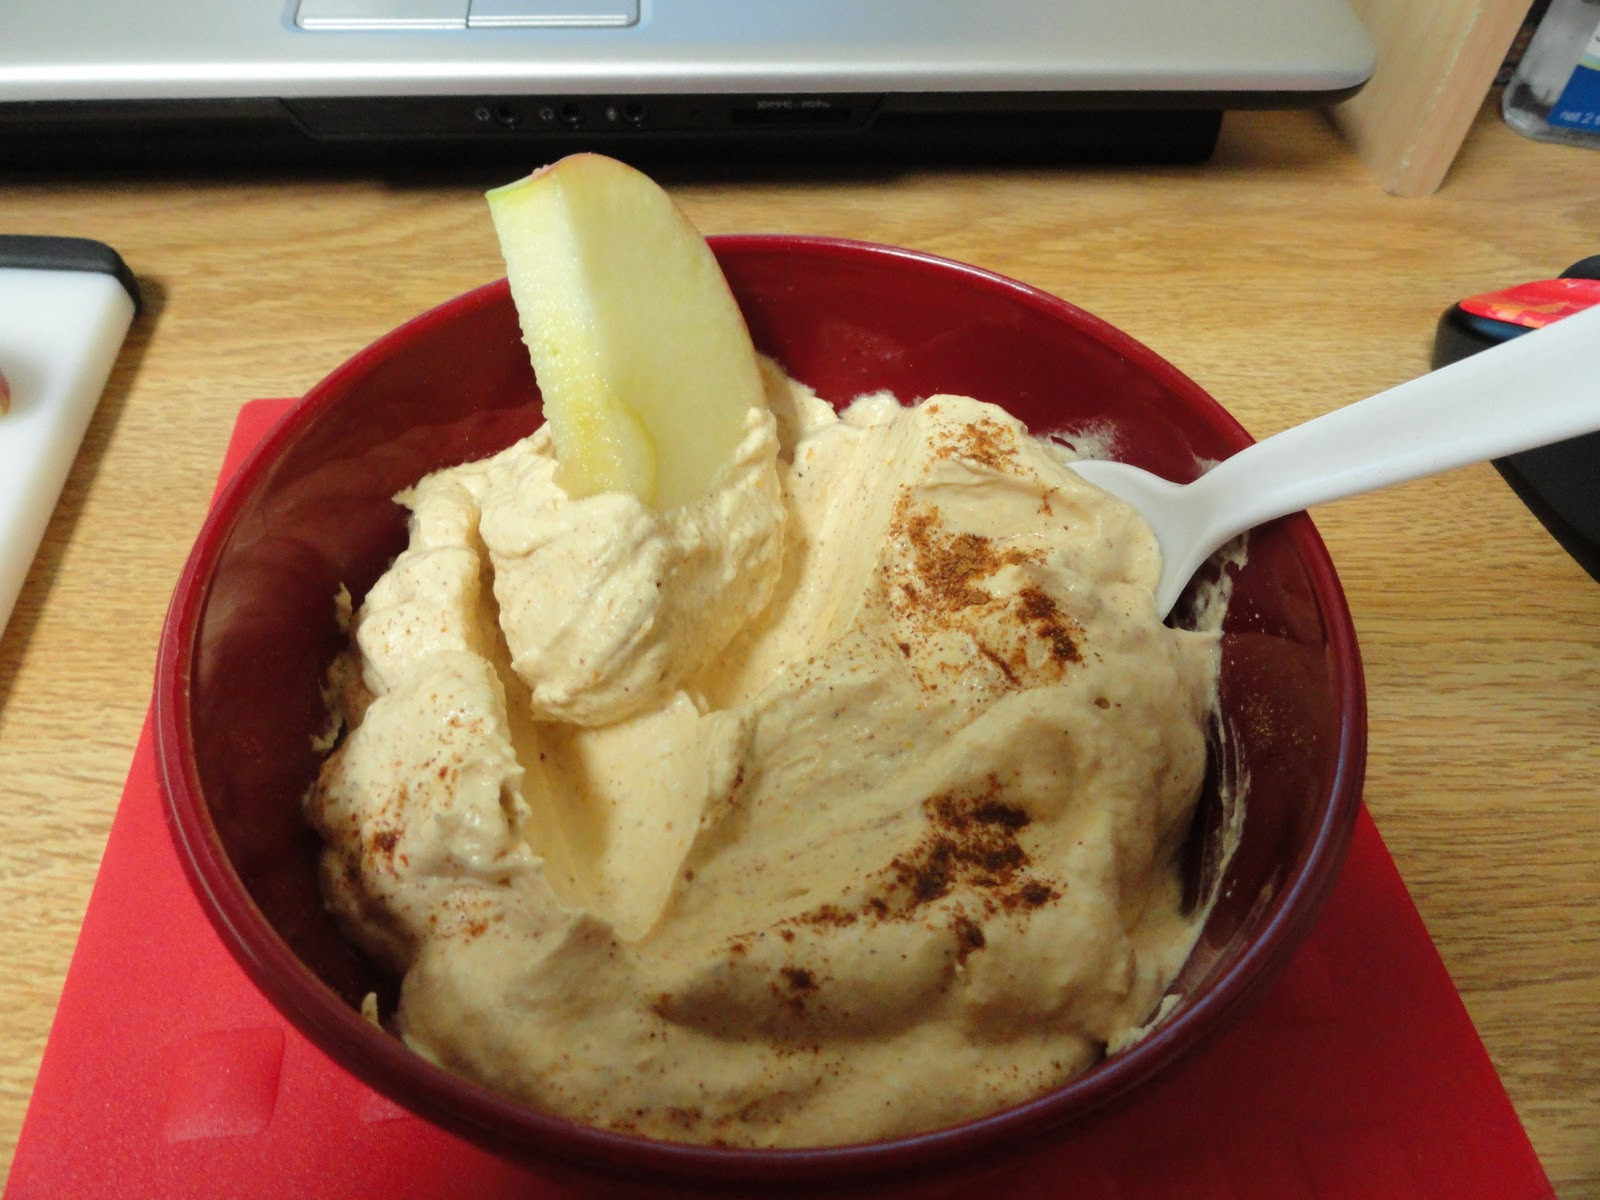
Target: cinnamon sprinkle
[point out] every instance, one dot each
(971, 843)
(946, 589)
(1052, 627)
(984, 443)
(949, 567)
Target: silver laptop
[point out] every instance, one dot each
(259, 78)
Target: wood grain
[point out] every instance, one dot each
(1436, 60)
(1278, 275)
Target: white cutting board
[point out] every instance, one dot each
(59, 336)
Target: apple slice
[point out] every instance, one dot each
(641, 353)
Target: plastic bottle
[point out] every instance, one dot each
(1554, 95)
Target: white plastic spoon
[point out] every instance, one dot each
(1541, 387)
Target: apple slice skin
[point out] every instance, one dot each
(639, 348)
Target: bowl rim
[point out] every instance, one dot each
(515, 1129)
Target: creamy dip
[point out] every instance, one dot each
(844, 804)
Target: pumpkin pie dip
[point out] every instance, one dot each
(843, 804)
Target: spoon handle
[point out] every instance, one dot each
(1541, 387)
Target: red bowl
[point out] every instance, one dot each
(251, 630)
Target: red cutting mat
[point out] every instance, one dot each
(168, 1076)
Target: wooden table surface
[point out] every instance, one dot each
(1278, 275)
